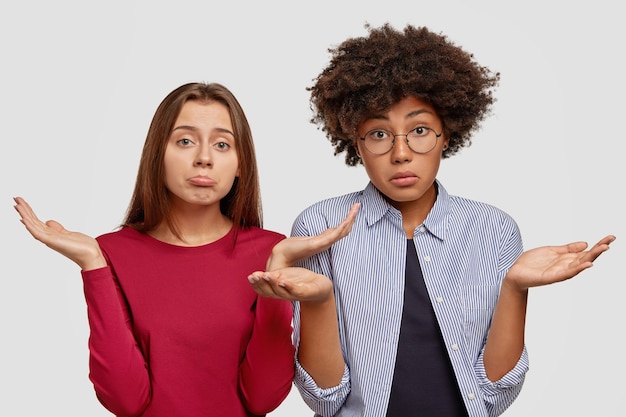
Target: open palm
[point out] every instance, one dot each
(549, 264)
(292, 283)
(78, 247)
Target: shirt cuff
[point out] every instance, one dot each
(311, 391)
(514, 378)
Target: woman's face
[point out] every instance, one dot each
(200, 158)
(402, 174)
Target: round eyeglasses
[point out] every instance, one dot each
(421, 139)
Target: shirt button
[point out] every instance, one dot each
(427, 258)
(455, 347)
(439, 299)
(422, 229)
(471, 396)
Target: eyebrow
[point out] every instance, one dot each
(195, 129)
(417, 113)
(408, 116)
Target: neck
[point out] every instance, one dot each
(415, 212)
(197, 225)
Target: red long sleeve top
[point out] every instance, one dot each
(178, 331)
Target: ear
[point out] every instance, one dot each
(355, 143)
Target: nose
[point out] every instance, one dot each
(203, 156)
(400, 151)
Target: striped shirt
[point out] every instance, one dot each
(465, 249)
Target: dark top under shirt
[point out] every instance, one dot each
(423, 381)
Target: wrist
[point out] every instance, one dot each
(322, 301)
(94, 263)
(511, 285)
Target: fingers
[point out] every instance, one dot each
(576, 247)
(291, 250)
(23, 207)
(295, 284)
(28, 218)
(333, 234)
(40, 230)
(24, 210)
(268, 285)
(583, 259)
(598, 249)
(19, 201)
(346, 225)
(351, 216)
(595, 251)
(607, 240)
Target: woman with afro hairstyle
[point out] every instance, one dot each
(424, 313)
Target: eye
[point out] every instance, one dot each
(222, 146)
(378, 135)
(184, 141)
(420, 131)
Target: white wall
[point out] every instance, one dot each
(80, 83)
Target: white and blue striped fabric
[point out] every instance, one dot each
(465, 249)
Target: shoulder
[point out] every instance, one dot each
(333, 206)
(123, 243)
(324, 214)
(483, 221)
(468, 208)
(260, 235)
(124, 234)
(462, 208)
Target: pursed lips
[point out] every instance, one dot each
(404, 178)
(202, 181)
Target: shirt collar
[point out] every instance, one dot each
(375, 207)
(436, 220)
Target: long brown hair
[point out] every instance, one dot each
(150, 203)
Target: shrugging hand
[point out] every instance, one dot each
(282, 280)
(292, 283)
(289, 251)
(82, 249)
(549, 264)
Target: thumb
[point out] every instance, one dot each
(53, 224)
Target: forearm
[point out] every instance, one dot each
(266, 373)
(505, 341)
(116, 366)
(94, 261)
(319, 351)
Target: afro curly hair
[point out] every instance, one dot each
(367, 75)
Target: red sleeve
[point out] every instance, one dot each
(117, 367)
(267, 370)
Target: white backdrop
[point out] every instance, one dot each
(81, 81)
